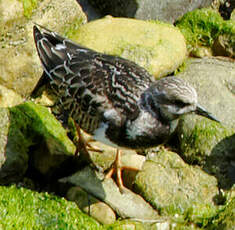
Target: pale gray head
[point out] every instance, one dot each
(173, 97)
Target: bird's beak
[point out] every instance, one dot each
(201, 111)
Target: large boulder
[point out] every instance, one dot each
(20, 67)
(158, 47)
(204, 142)
(163, 10)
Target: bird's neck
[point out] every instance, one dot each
(147, 104)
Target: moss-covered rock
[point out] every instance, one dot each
(158, 47)
(36, 121)
(21, 208)
(202, 28)
(26, 125)
(225, 219)
(173, 187)
(205, 142)
(211, 146)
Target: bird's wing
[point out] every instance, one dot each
(94, 82)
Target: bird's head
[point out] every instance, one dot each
(173, 97)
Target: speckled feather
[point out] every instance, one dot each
(89, 83)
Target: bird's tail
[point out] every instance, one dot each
(51, 49)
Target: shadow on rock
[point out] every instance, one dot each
(221, 162)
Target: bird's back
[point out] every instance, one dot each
(89, 83)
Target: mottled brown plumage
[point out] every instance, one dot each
(111, 98)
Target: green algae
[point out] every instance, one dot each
(202, 26)
(70, 30)
(22, 208)
(36, 123)
(226, 218)
(197, 143)
(128, 224)
(29, 6)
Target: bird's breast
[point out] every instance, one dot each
(147, 131)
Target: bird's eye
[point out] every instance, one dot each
(180, 103)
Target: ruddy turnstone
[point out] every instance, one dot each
(113, 99)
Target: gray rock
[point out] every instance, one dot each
(126, 204)
(162, 10)
(204, 142)
(214, 80)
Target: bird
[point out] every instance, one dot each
(111, 98)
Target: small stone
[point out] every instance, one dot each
(224, 45)
(92, 206)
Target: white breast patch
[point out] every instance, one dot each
(100, 135)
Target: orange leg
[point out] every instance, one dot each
(117, 168)
(83, 145)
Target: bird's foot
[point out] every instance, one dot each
(92, 148)
(116, 169)
(83, 147)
